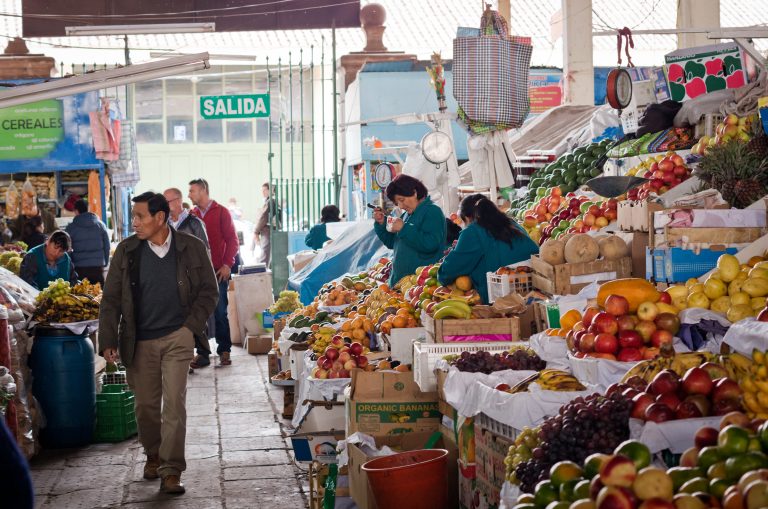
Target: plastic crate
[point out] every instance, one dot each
(496, 427)
(502, 285)
(677, 265)
(114, 388)
(114, 429)
(115, 414)
(426, 355)
(115, 378)
(113, 409)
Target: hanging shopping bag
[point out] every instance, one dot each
(490, 76)
(28, 199)
(12, 201)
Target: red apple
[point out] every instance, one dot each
(660, 337)
(616, 497)
(762, 316)
(700, 401)
(670, 399)
(606, 323)
(714, 370)
(668, 321)
(356, 348)
(350, 365)
(680, 171)
(697, 381)
(616, 387)
(616, 305)
(589, 315)
(331, 353)
(630, 393)
(344, 356)
(659, 412)
(665, 165)
(665, 298)
(362, 361)
(725, 388)
(725, 406)
(637, 382)
(619, 470)
(626, 322)
(502, 387)
(646, 329)
(629, 355)
(705, 437)
(690, 457)
(687, 410)
(606, 343)
(587, 343)
(640, 404)
(630, 339)
(664, 381)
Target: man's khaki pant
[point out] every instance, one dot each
(158, 378)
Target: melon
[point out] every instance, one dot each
(581, 248)
(613, 248)
(552, 252)
(564, 237)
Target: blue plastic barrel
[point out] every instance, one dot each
(63, 383)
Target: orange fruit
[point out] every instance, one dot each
(412, 323)
(399, 322)
(386, 327)
(346, 326)
(358, 334)
(569, 319)
(368, 325)
(463, 283)
(403, 312)
(357, 323)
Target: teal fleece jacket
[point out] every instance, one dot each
(478, 252)
(420, 242)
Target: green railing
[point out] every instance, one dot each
(301, 200)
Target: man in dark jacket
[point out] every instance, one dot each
(90, 243)
(159, 292)
(185, 222)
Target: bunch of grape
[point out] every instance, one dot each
(54, 291)
(520, 451)
(582, 427)
(287, 302)
(486, 362)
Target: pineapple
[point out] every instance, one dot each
(737, 171)
(746, 192)
(758, 145)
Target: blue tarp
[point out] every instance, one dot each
(354, 251)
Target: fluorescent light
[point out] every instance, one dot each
(98, 80)
(159, 28)
(248, 58)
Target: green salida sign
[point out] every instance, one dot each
(31, 131)
(234, 106)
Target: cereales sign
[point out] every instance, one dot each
(234, 106)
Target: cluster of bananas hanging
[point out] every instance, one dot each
(550, 380)
(62, 303)
(521, 450)
(322, 339)
(734, 365)
(755, 386)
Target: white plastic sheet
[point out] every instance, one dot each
(552, 350)
(696, 315)
(516, 410)
(599, 372)
(746, 335)
(458, 383)
(314, 389)
(365, 442)
(508, 495)
(677, 436)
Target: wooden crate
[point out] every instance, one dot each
(734, 235)
(569, 278)
(318, 473)
(438, 329)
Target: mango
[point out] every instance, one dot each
(721, 304)
(729, 267)
(755, 287)
(739, 312)
(714, 288)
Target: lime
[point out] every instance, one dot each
(545, 493)
(717, 487)
(733, 440)
(593, 463)
(694, 485)
(636, 451)
(564, 471)
(708, 456)
(581, 490)
(680, 475)
(738, 465)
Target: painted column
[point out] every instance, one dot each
(698, 14)
(579, 74)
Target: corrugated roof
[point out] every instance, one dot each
(413, 26)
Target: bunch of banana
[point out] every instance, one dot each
(322, 339)
(680, 363)
(684, 361)
(451, 308)
(557, 380)
(737, 365)
(755, 386)
(522, 385)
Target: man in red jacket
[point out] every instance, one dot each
(224, 245)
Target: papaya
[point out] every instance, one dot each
(635, 290)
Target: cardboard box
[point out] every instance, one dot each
(439, 329)
(289, 405)
(258, 345)
(277, 328)
(569, 278)
(315, 446)
(389, 403)
(692, 72)
(234, 319)
(273, 363)
(490, 451)
(358, 479)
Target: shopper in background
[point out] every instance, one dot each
(489, 241)
(183, 221)
(33, 234)
(49, 222)
(49, 262)
(159, 292)
(261, 233)
(235, 211)
(224, 247)
(318, 234)
(418, 234)
(90, 243)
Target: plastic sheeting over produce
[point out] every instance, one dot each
(356, 249)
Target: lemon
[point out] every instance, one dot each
(714, 288)
(740, 298)
(729, 267)
(698, 300)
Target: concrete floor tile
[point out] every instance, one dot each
(272, 493)
(253, 458)
(106, 459)
(82, 478)
(108, 495)
(204, 409)
(202, 435)
(178, 502)
(199, 452)
(203, 420)
(249, 430)
(43, 480)
(252, 443)
(268, 472)
(260, 406)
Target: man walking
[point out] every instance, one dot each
(261, 233)
(90, 243)
(224, 246)
(183, 221)
(159, 291)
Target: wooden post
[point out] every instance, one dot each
(504, 10)
(579, 73)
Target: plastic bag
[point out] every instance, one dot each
(28, 199)
(12, 201)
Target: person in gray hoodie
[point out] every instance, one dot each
(90, 243)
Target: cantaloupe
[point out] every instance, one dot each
(613, 248)
(565, 237)
(581, 248)
(552, 252)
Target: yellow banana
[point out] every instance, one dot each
(450, 312)
(453, 302)
(750, 400)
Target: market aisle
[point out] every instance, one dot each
(236, 456)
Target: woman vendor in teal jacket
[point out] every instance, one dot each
(491, 240)
(418, 235)
(49, 262)
(318, 234)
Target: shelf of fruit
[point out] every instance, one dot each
(665, 171)
(340, 358)
(60, 302)
(386, 309)
(381, 270)
(11, 256)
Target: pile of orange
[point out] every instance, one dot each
(339, 296)
(357, 329)
(404, 318)
(567, 322)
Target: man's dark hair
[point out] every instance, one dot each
(61, 239)
(329, 214)
(405, 185)
(202, 183)
(81, 206)
(156, 202)
(266, 184)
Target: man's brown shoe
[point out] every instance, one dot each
(172, 484)
(150, 467)
(224, 359)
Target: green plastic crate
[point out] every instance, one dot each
(111, 409)
(113, 388)
(114, 429)
(115, 414)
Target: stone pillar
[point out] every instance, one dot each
(698, 14)
(579, 72)
(18, 63)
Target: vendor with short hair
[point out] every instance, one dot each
(49, 262)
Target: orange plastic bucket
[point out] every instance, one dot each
(409, 480)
